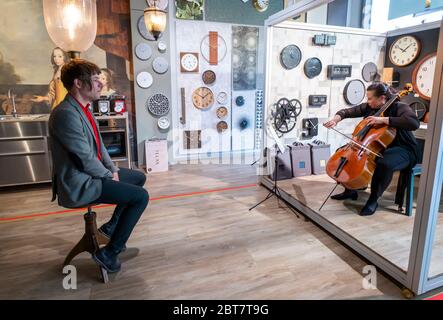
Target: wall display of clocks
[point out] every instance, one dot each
(203, 98)
(222, 97)
(404, 51)
(143, 51)
(189, 62)
(144, 79)
(369, 72)
(222, 126)
(261, 5)
(354, 92)
(162, 46)
(158, 104)
(160, 65)
(240, 101)
(213, 46)
(209, 77)
(141, 27)
(290, 57)
(419, 109)
(163, 123)
(423, 76)
(161, 4)
(222, 112)
(312, 67)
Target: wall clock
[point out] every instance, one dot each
(404, 51)
(419, 108)
(222, 112)
(369, 72)
(354, 92)
(189, 62)
(158, 104)
(144, 79)
(290, 57)
(162, 46)
(423, 76)
(213, 48)
(222, 126)
(203, 98)
(163, 123)
(312, 67)
(261, 5)
(222, 97)
(160, 65)
(141, 27)
(240, 101)
(161, 4)
(209, 77)
(143, 51)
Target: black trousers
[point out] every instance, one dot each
(394, 159)
(131, 200)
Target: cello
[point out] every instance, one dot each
(353, 164)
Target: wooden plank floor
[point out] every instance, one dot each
(206, 246)
(387, 232)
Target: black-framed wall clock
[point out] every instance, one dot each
(290, 57)
(369, 72)
(404, 50)
(354, 92)
(313, 67)
(209, 77)
(419, 108)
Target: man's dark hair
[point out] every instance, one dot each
(78, 69)
(380, 89)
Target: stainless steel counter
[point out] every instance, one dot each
(24, 152)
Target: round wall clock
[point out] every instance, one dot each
(143, 51)
(161, 4)
(261, 5)
(189, 62)
(419, 108)
(160, 65)
(423, 76)
(208, 77)
(141, 27)
(369, 72)
(240, 101)
(404, 51)
(162, 46)
(312, 67)
(290, 57)
(222, 112)
(354, 92)
(203, 98)
(158, 104)
(222, 49)
(222, 126)
(163, 123)
(144, 79)
(222, 97)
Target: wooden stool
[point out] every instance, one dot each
(90, 242)
(406, 185)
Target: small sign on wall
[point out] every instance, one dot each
(156, 155)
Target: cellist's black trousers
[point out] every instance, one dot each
(394, 159)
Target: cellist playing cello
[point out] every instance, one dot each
(400, 154)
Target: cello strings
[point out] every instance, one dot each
(360, 145)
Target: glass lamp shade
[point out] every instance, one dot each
(71, 24)
(155, 21)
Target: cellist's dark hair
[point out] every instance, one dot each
(380, 89)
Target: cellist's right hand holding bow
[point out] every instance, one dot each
(332, 122)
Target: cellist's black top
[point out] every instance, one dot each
(401, 117)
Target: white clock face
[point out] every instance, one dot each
(160, 65)
(424, 78)
(144, 79)
(222, 97)
(143, 51)
(261, 4)
(103, 106)
(163, 123)
(162, 46)
(189, 62)
(119, 106)
(404, 51)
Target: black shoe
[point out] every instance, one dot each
(369, 208)
(107, 235)
(107, 259)
(347, 194)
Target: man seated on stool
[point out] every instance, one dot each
(400, 154)
(83, 172)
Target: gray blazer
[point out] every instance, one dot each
(77, 172)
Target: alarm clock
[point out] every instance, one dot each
(103, 106)
(118, 104)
